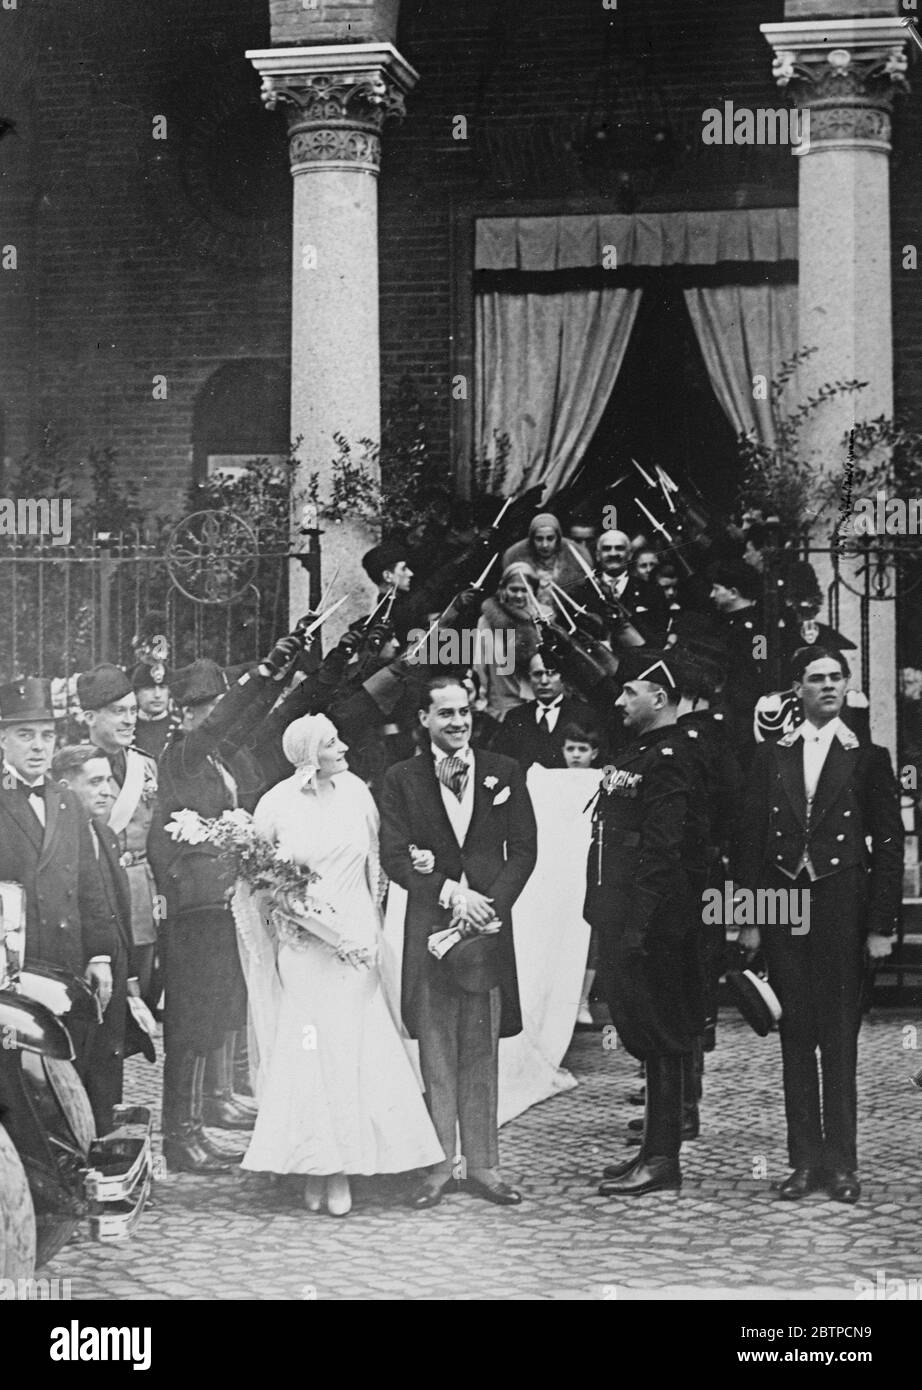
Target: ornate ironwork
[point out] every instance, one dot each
(212, 557)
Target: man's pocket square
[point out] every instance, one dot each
(502, 796)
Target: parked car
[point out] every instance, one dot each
(54, 1170)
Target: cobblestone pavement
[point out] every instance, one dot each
(723, 1236)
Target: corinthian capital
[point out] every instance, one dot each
(337, 97)
(845, 72)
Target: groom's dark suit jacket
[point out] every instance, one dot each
(498, 856)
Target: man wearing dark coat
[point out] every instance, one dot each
(205, 992)
(643, 899)
(533, 732)
(45, 845)
(821, 818)
(458, 833)
(642, 600)
(85, 771)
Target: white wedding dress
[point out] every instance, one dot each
(336, 1091)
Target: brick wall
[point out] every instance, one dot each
(138, 258)
(131, 266)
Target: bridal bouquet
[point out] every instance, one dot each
(297, 913)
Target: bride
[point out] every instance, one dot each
(338, 1095)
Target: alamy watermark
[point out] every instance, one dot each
(36, 516)
(29, 1290)
(757, 907)
(469, 646)
(895, 1288)
(882, 515)
(765, 125)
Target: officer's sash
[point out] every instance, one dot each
(126, 803)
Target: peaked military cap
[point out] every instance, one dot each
(102, 686)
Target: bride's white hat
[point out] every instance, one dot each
(302, 742)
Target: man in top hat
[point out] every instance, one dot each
(205, 992)
(458, 833)
(110, 711)
(83, 770)
(45, 845)
(821, 818)
(150, 683)
(643, 899)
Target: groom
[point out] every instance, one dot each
(458, 833)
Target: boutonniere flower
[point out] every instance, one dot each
(502, 796)
(490, 783)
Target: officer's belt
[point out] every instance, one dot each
(630, 839)
(133, 857)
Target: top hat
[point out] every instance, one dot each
(201, 681)
(102, 686)
(27, 700)
(474, 963)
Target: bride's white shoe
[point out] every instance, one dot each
(339, 1197)
(314, 1189)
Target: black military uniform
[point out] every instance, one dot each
(205, 992)
(644, 903)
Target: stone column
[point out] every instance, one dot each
(845, 72)
(337, 97)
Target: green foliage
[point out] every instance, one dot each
(395, 486)
(783, 478)
(263, 495)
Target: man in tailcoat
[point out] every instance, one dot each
(45, 846)
(643, 898)
(84, 771)
(821, 818)
(458, 833)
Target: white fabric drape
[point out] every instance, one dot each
(745, 333)
(546, 366)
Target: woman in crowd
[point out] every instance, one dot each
(338, 1095)
(553, 561)
(508, 640)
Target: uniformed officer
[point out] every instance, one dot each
(156, 722)
(204, 983)
(110, 710)
(642, 899)
(719, 779)
(821, 818)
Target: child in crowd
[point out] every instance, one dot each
(581, 749)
